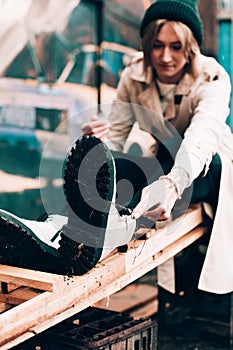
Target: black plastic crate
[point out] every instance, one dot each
(98, 329)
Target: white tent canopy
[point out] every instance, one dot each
(21, 20)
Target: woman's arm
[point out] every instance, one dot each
(203, 137)
(201, 141)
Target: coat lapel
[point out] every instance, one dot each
(153, 115)
(150, 99)
(153, 120)
(178, 110)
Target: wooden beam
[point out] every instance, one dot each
(30, 278)
(134, 296)
(19, 295)
(109, 276)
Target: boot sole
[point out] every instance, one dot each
(83, 238)
(19, 247)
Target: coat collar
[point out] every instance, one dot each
(149, 97)
(137, 73)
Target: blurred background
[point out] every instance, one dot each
(60, 62)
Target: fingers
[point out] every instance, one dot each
(157, 201)
(98, 127)
(140, 209)
(148, 199)
(98, 131)
(153, 215)
(88, 127)
(159, 214)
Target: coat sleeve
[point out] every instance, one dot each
(122, 117)
(203, 137)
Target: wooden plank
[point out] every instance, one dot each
(30, 278)
(129, 297)
(19, 295)
(159, 258)
(145, 311)
(79, 292)
(71, 299)
(162, 238)
(8, 287)
(4, 307)
(24, 337)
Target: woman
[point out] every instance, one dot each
(184, 93)
(179, 100)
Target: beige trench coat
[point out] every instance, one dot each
(200, 116)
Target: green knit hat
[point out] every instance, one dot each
(185, 11)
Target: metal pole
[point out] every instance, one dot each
(99, 35)
(99, 70)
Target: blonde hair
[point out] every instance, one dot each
(189, 44)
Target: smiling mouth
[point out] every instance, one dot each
(164, 66)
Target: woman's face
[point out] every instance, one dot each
(167, 55)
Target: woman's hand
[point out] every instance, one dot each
(98, 127)
(157, 201)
